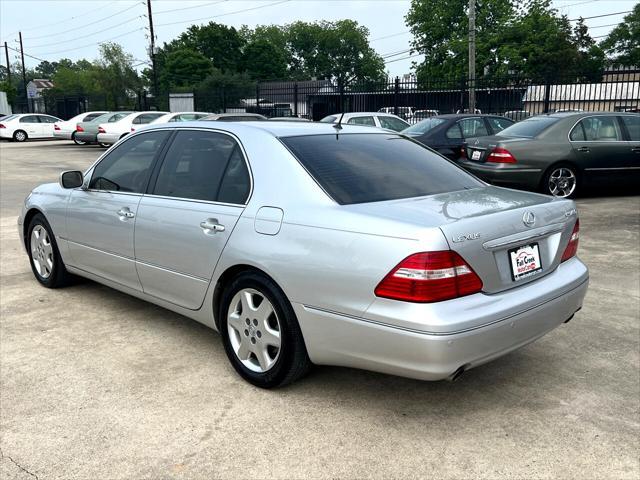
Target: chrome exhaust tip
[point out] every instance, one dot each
(456, 375)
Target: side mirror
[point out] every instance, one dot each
(71, 179)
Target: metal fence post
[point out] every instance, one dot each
(295, 99)
(257, 97)
(341, 89)
(396, 94)
(547, 95)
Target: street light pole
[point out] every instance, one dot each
(153, 53)
(24, 73)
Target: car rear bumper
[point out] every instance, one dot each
(335, 339)
(504, 174)
(6, 133)
(63, 134)
(109, 138)
(87, 137)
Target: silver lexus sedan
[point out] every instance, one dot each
(314, 244)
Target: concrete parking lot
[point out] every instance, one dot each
(97, 384)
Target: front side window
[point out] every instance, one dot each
(393, 123)
(473, 127)
(360, 168)
(499, 124)
(632, 122)
(128, 166)
(203, 165)
(597, 129)
(368, 121)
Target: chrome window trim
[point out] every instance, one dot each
(605, 114)
(172, 128)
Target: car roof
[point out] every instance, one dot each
(463, 115)
(276, 129)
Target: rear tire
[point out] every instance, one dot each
(260, 332)
(20, 136)
(44, 256)
(76, 141)
(104, 145)
(561, 180)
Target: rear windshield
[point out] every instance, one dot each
(530, 128)
(424, 126)
(362, 167)
(329, 119)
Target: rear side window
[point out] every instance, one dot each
(392, 123)
(202, 165)
(473, 127)
(597, 129)
(91, 116)
(454, 132)
(632, 122)
(360, 168)
(499, 124)
(368, 121)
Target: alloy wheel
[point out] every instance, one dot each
(41, 251)
(20, 136)
(254, 330)
(562, 182)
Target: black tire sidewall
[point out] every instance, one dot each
(76, 141)
(288, 323)
(545, 179)
(15, 136)
(58, 271)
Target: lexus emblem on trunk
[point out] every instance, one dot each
(529, 219)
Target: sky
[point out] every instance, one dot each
(54, 29)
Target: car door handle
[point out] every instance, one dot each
(584, 149)
(211, 225)
(126, 213)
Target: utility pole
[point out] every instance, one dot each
(472, 56)
(24, 73)
(153, 54)
(6, 52)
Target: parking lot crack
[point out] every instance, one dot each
(2, 455)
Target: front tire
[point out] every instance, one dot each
(260, 332)
(44, 256)
(20, 136)
(561, 181)
(76, 141)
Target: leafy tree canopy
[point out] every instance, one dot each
(622, 45)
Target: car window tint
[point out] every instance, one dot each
(454, 132)
(359, 168)
(29, 119)
(91, 116)
(194, 165)
(369, 121)
(149, 117)
(48, 119)
(577, 133)
(425, 125)
(127, 167)
(499, 124)
(236, 182)
(473, 127)
(529, 128)
(392, 123)
(632, 122)
(601, 129)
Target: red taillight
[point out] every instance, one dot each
(56, 127)
(79, 128)
(501, 155)
(572, 246)
(430, 277)
(101, 130)
(2, 126)
(463, 153)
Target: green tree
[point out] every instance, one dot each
(115, 77)
(263, 60)
(222, 89)
(184, 68)
(622, 45)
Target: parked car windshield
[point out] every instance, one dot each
(424, 126)
(361, 167)
(530, 128)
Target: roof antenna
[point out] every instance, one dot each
(338, 126)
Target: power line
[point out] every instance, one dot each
(225, 14)
(95, 43)
(188, 8)
(390, 36)
(599, 16)
(85, 36)
(85, 25)
(402, 58)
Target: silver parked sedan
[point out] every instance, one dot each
(310, 243)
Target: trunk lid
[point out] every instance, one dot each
(477, 150)
(484, 224)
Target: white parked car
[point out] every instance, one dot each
(180, 117)
(23, 126)
(406, 113)
(369, 119)
(110, 133)
(67, 130)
